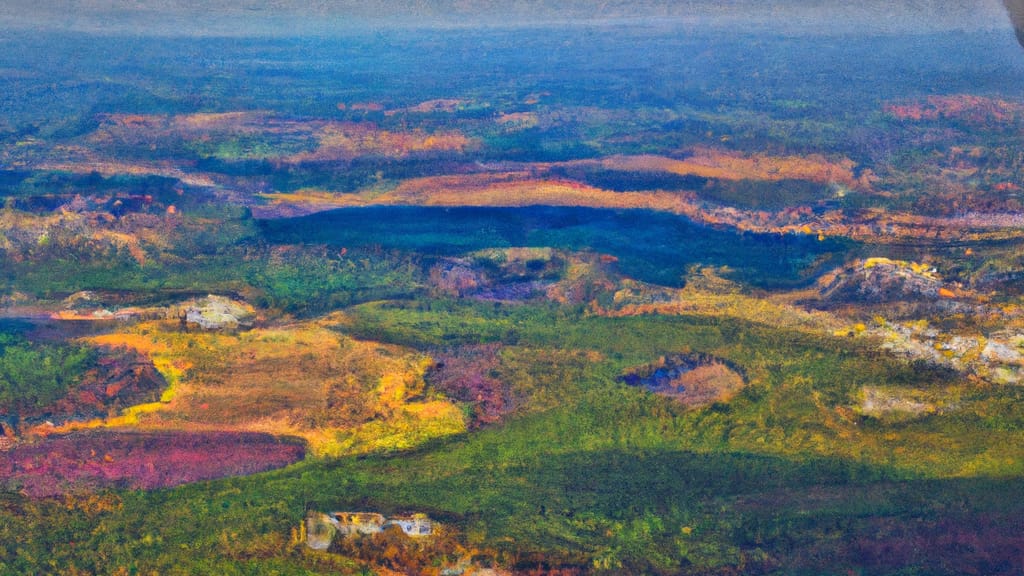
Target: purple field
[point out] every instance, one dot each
(94, 460)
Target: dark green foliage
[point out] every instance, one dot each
(94, 184)
(11, 179)
(536, 145)
(32, 376)
(319, 279)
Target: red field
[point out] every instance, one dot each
(103, 459)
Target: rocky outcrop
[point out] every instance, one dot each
(456, 277)
(219, 313)
(881, 403)
(876, 280)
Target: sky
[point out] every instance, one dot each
(239, 17)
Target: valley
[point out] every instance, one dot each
(658, 305)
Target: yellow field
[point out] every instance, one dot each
(341, 395)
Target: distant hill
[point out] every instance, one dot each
(281, 16)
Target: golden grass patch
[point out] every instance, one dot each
(303, 379)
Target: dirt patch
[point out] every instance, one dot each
(693, 379)
(467, 374)
(900, 404)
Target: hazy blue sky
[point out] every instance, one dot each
(284, 16)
